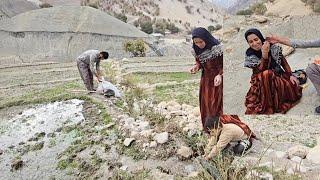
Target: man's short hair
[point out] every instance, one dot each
(212, 122)
(104, 54)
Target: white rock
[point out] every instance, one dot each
(193, 174)
(128, 141)
(162, 105)
(314, 155)
(134, 133)
(266, 164)
(144, 125)
(280, 154)
(174, 108)
(290, 171)
(300, 151)
(173, 103)
(189, 168)
(124, 168)
(196, 111)
(162, 137)
(146, 133)
(185, 152)
(110, 125)
(153, 144)
(266, 176)
(186, 107)
(144, 145)
(177, 113)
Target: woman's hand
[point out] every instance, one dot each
(217, 80)
(265, 50)
(194, 69)
(294, 80)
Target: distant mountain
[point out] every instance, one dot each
(233, 6)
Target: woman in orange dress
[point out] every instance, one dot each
(273, 88)
(209, 58)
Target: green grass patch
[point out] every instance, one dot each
(185, 93)
(58, 93)
(152, 78)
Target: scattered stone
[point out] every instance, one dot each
(21, 143)
(193, 174)
(124, 168)
(144, 145)
(162, 105)
(11, 146)
(196, 111)
(177, 113)
(110, 125)
(290, 171)
(184, 152)
(59, 129)
(33, 139)
(162, 137)
(1, 151)
(266, 176)
(300, 151)
(173, 103)
(51, 135)
(37, 146)
(128, 141)
(146, 133)
(174, 108)
(260, 19)
(189, 169)
(153, 144)
(314, 155)
(16, 164)
(280, 154)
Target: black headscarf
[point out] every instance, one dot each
(206, 36)
(251, 51)
(274, 64)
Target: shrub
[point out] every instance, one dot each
(146, 27)
(160, 27)
(136, 47)
(214, 28)
(122, 17)
(94, 5)
(45, 5)
(245, 12)
(259, 8)
(173, 28)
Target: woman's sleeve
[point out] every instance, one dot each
(286, 67)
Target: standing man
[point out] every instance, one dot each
(89, 66)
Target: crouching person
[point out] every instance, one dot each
(226, 129)
(89, 66)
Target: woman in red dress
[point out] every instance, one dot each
(273, 88)
(209, 58)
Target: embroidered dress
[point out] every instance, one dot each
(210, 96)
(271, 90)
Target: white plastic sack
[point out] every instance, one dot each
(105, 85)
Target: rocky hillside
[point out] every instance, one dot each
(9, 8)
(273, 7)
(185, 14)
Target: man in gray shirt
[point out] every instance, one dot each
(89, 66)
(313, 70)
